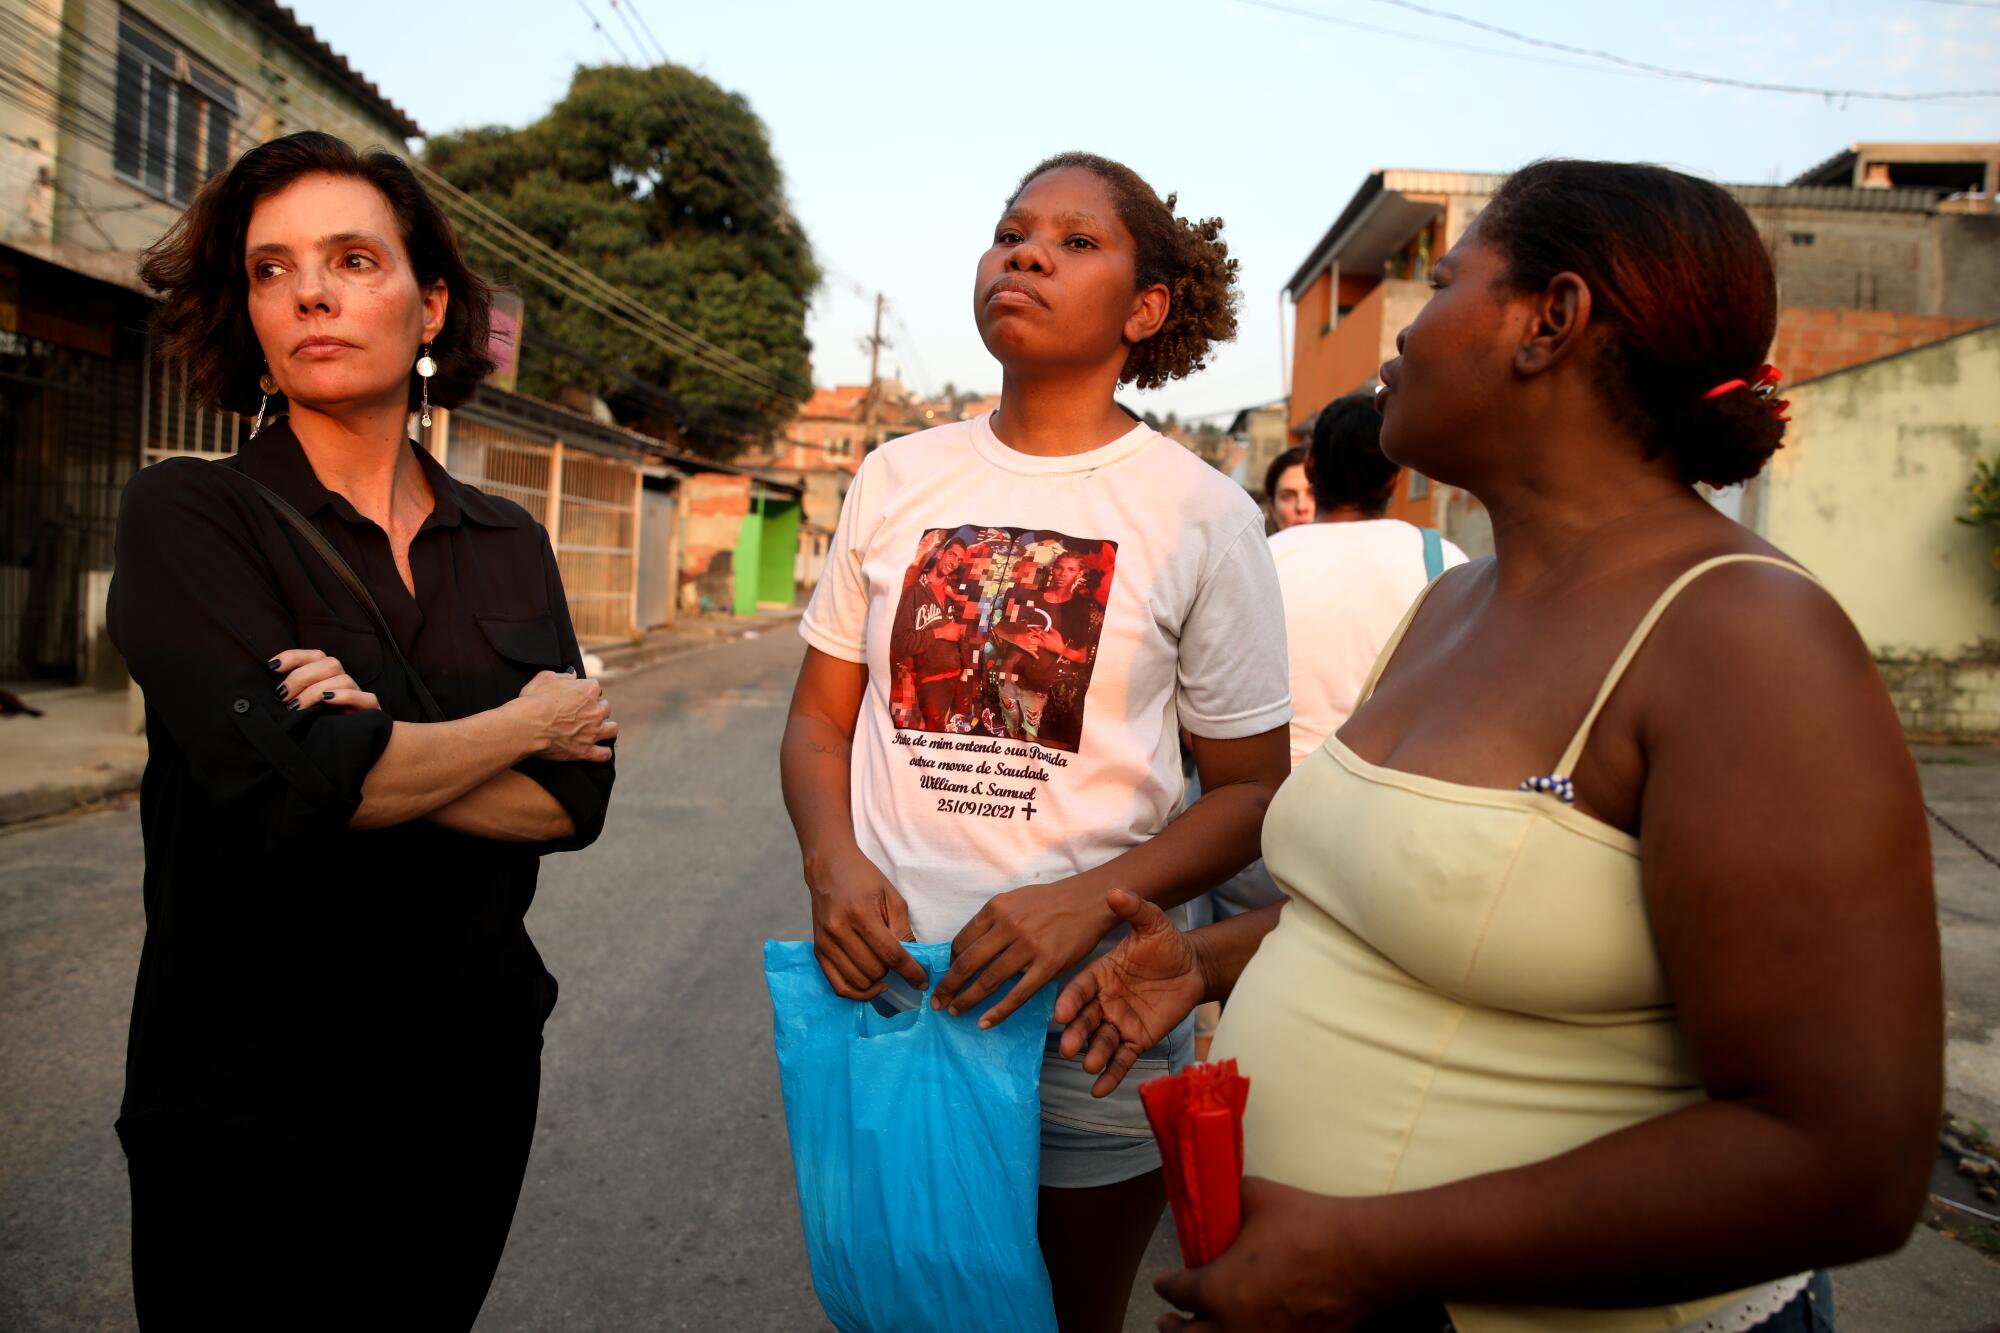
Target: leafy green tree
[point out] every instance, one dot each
(663, 185)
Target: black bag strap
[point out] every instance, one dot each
(352, 581)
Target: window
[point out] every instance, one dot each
(1802, 238)
(174, 115)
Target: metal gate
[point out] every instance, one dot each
(68, 423)
(173, 426)
(588, 503)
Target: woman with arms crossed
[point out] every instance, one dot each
(1608, 996)
(336, 1037)
(1090, 282)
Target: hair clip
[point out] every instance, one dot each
(1764, 384)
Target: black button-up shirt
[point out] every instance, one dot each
(290, 960)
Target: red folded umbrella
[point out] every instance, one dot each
(1197, 1115)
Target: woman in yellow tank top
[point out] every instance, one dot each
(1631, 1033)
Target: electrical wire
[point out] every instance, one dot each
(1659, 71)
(514, 245)
(923, 374)
(526, 251)
(1315, 15)
(604, 32)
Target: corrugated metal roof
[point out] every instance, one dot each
(308, 44)
(1835, 196)
(1839, 167)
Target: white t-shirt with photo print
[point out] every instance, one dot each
(1185, 627)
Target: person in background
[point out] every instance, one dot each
(1289, 489)
(1608, 996)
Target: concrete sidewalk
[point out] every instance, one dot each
(82, 750)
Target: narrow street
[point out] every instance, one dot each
(660, 1192)
(659, 1195)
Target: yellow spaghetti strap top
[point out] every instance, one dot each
(1464, 981)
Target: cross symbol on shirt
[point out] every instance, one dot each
(1030, 807)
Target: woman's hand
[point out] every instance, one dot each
(1126, 1002)
(1037, 932)
(1289, 1270)
(312, 679)
(570, 717)
(859, 923)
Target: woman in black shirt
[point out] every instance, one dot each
(335, 1047)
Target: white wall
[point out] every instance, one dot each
(1869, 485)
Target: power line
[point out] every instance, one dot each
(527, 250)
(1669, 72)
(924, 381)
(604, 32)
(512, 244)
(1421, 38)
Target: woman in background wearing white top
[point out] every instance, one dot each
(1003, 840)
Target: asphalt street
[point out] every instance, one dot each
(659, 1195)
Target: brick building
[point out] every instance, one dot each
(1880, 249)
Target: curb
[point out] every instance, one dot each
(36, 803)
(680, 642)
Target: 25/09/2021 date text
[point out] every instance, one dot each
(985, 809)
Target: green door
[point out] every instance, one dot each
(777, 583)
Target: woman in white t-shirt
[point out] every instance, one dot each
(1128, 593)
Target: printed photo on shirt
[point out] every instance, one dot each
(996, 633)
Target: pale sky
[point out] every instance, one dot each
(903, 125)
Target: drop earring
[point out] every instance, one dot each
(425, 369)
(267, 386)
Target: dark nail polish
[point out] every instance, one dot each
(326, 694)
(281, 691)
(292, 707)
(273, 664)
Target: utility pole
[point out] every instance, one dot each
(872, 404)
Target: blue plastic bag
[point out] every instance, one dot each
(916, 1146)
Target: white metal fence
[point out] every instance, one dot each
(589, 504)
(170, 425)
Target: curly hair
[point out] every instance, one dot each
(203, 319)
(1189, 259)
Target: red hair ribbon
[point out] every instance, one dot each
(1764, 384)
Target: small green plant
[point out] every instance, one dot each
(1983, 504)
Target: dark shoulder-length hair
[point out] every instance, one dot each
(203, 319)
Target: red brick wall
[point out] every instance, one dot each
(1814, 341)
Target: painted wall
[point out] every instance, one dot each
(1867, 488)
(714, 508)
(1326, 365)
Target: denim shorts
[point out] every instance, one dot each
(1090, 1141)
